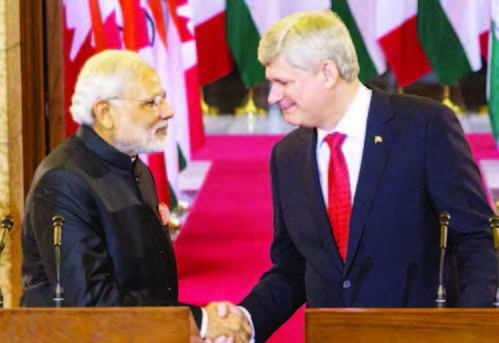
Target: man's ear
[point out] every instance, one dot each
(329, 73)
(102, 114)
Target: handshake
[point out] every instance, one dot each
(227, 323)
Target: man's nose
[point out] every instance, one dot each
(275, 94)
(166, 111)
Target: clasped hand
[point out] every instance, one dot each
(227, 324)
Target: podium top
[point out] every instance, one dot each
(95, 324)
(401, 325)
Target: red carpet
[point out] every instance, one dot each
(483, 146)
(223, 247)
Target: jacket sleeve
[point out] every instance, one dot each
(88, 272)
(281, 290)
(455, 185)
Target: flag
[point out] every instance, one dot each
(247, 20)
(184, 74)
(153, 28)
(214, 57)
(183, 91)
(164, 166)
(396, 32)
(359, 17)
(450, 32)
(78, 47)
(493, 72)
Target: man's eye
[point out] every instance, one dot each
(155, 102)
(151, 103)
(282, 83)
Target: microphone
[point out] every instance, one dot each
(444, 224)
(6, 225)
(494, 226)
(57, 222)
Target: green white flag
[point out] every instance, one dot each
(449, 31)
(493, 77)
(360, 19)
(247, 20)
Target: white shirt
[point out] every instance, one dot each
(353, 125)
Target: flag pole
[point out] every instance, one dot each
(448, 102)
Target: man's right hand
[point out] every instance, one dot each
(227, 320)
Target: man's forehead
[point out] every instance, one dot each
(279, 69)
(147, 81)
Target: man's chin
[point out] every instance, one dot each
(292, 119)
(154, 147)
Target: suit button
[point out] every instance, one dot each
(346, 284)
(137, 179)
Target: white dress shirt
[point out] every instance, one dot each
(353, 125)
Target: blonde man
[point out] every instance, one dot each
(358, 187)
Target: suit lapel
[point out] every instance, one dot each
(313, 193)
(378, 140)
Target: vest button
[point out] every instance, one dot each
(347, 284)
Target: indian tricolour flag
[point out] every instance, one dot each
(450, 32)
(173, 54)
(184, 88)
(493, 72)
(247, 20)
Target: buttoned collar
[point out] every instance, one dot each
(107, 152)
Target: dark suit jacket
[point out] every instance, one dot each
(115, 250)
(422, 166)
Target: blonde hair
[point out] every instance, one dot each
(305, 39)
(104, 75)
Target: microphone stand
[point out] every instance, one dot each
(58, 221)
(494, 226)
(444, 223)
(7, 223)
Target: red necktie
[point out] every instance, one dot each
(339, 206)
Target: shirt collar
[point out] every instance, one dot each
(95, 143)
(356, 113)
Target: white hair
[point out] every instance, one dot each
(105, 75)
(305, 39)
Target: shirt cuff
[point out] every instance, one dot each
(248, 317)
(204, 324)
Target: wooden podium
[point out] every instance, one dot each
(401, 325)
(95, 324)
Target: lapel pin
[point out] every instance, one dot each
(378, 139)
